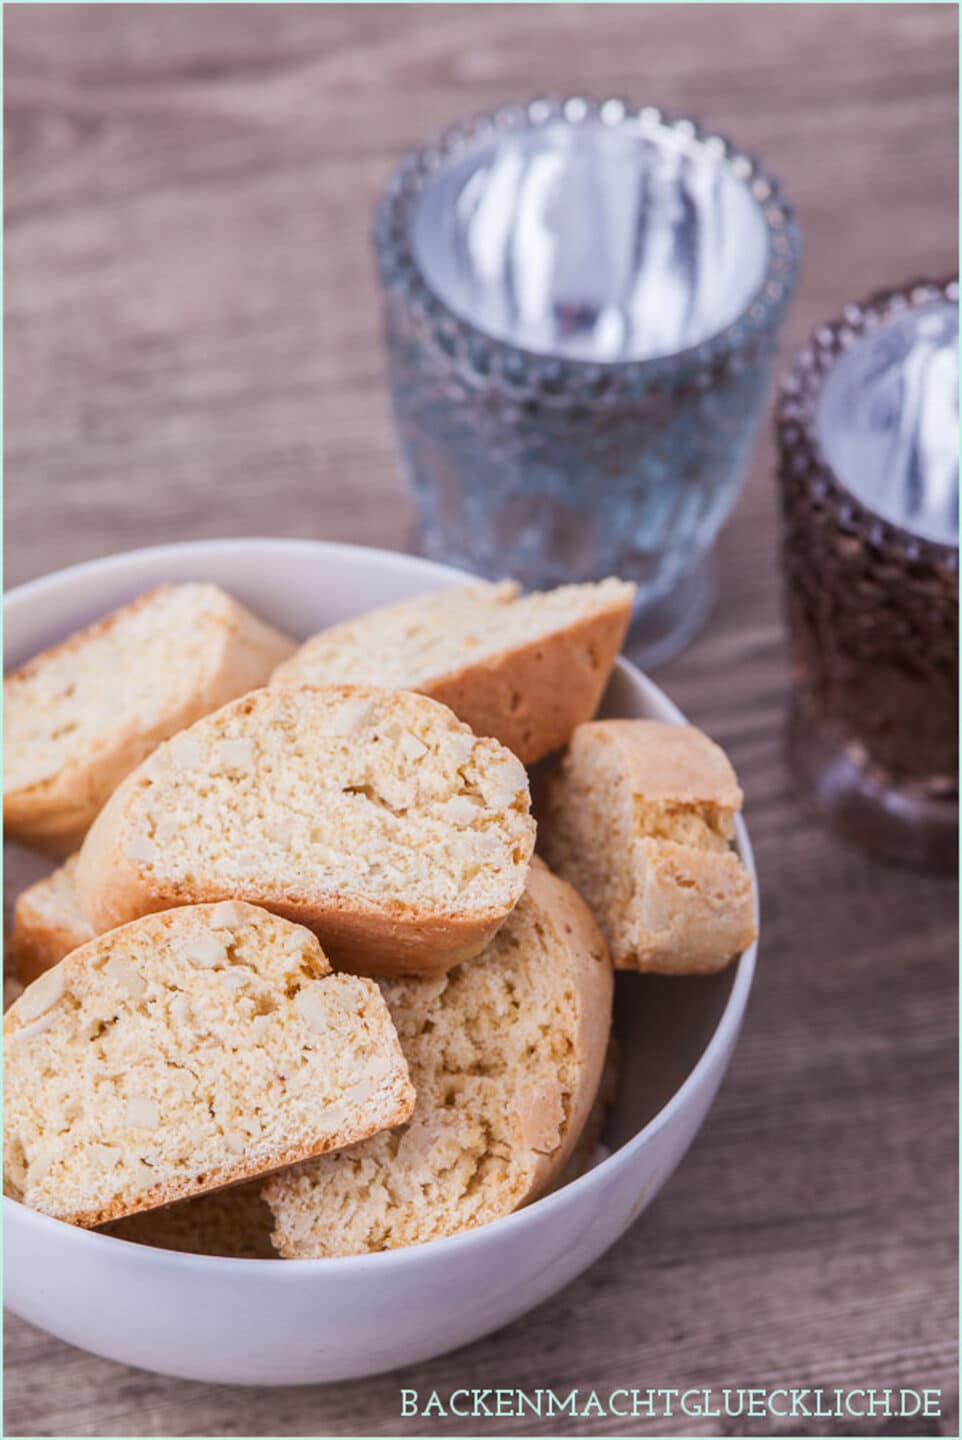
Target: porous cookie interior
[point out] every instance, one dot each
(492, 1050)
(436, 635)
(346, 791)
(700, 823)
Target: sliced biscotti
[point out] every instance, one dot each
(525, 669)
(640, 818)
(373, 816)
(235, 1222)
(184, 1052)
(79, 717)
(48, 922)
(505, 1054)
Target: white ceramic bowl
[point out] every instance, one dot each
(290, 1322)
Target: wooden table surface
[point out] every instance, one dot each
(192, 350)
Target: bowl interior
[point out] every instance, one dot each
(663, 1024)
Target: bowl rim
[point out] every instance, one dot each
(722, 1039)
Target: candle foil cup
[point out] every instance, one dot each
(581, 305)
(867, 425)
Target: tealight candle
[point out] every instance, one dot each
(581, 304)
(868, 424)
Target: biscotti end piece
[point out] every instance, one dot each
(524, 669)
(374, 817)
(48, 922)
(80, 716)
(505, 1054)
(640, 818)
(235, 1222)
(184, 1052)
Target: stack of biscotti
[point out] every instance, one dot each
(371, 801)
(522, 669)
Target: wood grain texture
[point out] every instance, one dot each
(192, 350)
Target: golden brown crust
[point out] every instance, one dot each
(36, 945)
(593, 979)
(527, 693)
(54, 814)
(358, 938)
(44, 931)
(531, 698)
(365, 943)
(53, 818)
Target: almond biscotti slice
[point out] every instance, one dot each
(640, 818)
(184, 1052)
(505, 1054)
(525, 669)
(48, 922)
(79, 717)
(372, 816)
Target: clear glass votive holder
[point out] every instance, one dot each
(867, 424)
(581, 303)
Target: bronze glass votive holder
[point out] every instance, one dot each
(867, 429)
